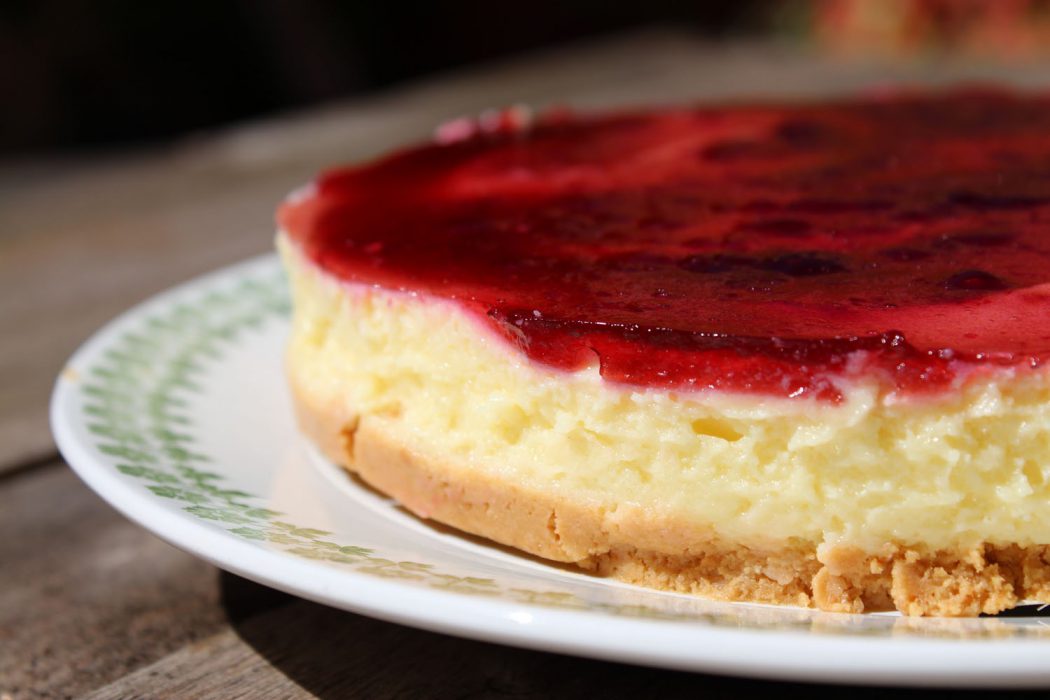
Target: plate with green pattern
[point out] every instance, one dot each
(177, 414)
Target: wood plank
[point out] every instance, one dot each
(89, 600)
(91, 605)
(86, 596)
(309, 651)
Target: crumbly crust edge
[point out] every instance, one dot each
(635, 545)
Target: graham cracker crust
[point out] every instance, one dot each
(634, 545)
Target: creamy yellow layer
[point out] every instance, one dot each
(966, 467)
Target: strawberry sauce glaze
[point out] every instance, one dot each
(754, 248)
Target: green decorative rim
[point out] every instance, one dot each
(135, 404)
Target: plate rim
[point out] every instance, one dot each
(679, 645)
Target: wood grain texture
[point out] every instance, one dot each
(92, 606)
(90, 602)
(280, 654)
(305, 650)
(85, 595)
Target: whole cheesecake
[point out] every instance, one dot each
(788, 353)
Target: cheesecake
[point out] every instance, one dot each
(786, 353)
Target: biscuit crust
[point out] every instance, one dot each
(639, 546)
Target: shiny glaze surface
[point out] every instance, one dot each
(767, 248)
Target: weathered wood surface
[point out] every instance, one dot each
(86, 597)
(278, 654)
(91, 605)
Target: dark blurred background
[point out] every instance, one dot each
(79, 74)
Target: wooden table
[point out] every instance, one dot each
(93, 606)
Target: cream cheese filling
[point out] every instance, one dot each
(968, 466)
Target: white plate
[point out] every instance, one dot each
(176, 413)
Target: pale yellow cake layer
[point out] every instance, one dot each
(966, 468)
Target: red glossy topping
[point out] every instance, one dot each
(760, 248)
